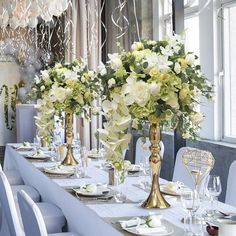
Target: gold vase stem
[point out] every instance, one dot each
(69, 159)
(155, 198)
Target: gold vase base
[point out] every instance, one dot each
(155, 200)
(69, 161)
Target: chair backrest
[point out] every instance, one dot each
(231, 186)
(9, 208)
(31, 216)
(181, 174)
(145, 152)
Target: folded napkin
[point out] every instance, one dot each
(173, 186)
(132, 222)
(146, 230)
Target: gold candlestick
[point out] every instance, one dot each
(155, 198)
(69, 159)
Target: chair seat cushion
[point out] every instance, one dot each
(31, 191)
(53, 217)
(14, 177)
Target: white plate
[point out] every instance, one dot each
(101, 191)
(34, 157)
(59, 171)
(169, 231)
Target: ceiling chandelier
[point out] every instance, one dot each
(23, 13)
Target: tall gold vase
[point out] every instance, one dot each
(155, 198)
(69, 159)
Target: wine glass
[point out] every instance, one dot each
(213, 189)
(102, 154)
(191, 203)
(145, 167)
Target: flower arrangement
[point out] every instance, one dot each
(69, 88)
(155, 78)
(10, 100)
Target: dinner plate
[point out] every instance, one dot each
(169, 231)
(34, 157)
(134, 169)
(101, 191)
(59, 171)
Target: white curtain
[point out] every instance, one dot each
(85, 32)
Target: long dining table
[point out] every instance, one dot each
(93, 218)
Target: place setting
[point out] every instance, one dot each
(153, 224)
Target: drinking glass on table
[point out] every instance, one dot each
(37, 142)
(145, 167)
(191, 203)
(214, 190)
(102, 154)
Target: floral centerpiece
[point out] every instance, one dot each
(69, 88)
(155, 82)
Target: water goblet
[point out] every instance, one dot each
(191, 203)
(213, 190)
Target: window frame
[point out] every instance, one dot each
(224, 79)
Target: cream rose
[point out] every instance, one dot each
(177, 68)
(190, 59)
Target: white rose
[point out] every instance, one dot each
(91, 188)
(197, 117)
(141, 93)
(154, 221)
(37, 79)
(177, 68)
(155, 89)
(111, 82)
(190, 59)
(45, 75)
(42, 88)
(102, 69)
(115, 61)
(173, 100)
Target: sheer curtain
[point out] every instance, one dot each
(84, 19)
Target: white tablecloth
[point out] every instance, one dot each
(51, 192)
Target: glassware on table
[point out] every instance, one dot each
(191, 203)
(102, 155)
(80, 170)
(145, 167)
(213, 190)
(37, 142)
(120, 195)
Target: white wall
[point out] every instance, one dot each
(9, 75)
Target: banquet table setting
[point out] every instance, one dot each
(117, 118)
(90, 194)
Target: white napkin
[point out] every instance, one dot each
(146, 230)
(132, 222)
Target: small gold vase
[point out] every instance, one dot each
(69, 159)
(155, 198)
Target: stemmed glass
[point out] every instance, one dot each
(145, 167)
(213, 189)
(191, 203)
(102, 154)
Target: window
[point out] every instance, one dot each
(229, 52)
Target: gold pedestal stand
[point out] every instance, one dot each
(155, 198)
(69, 159)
